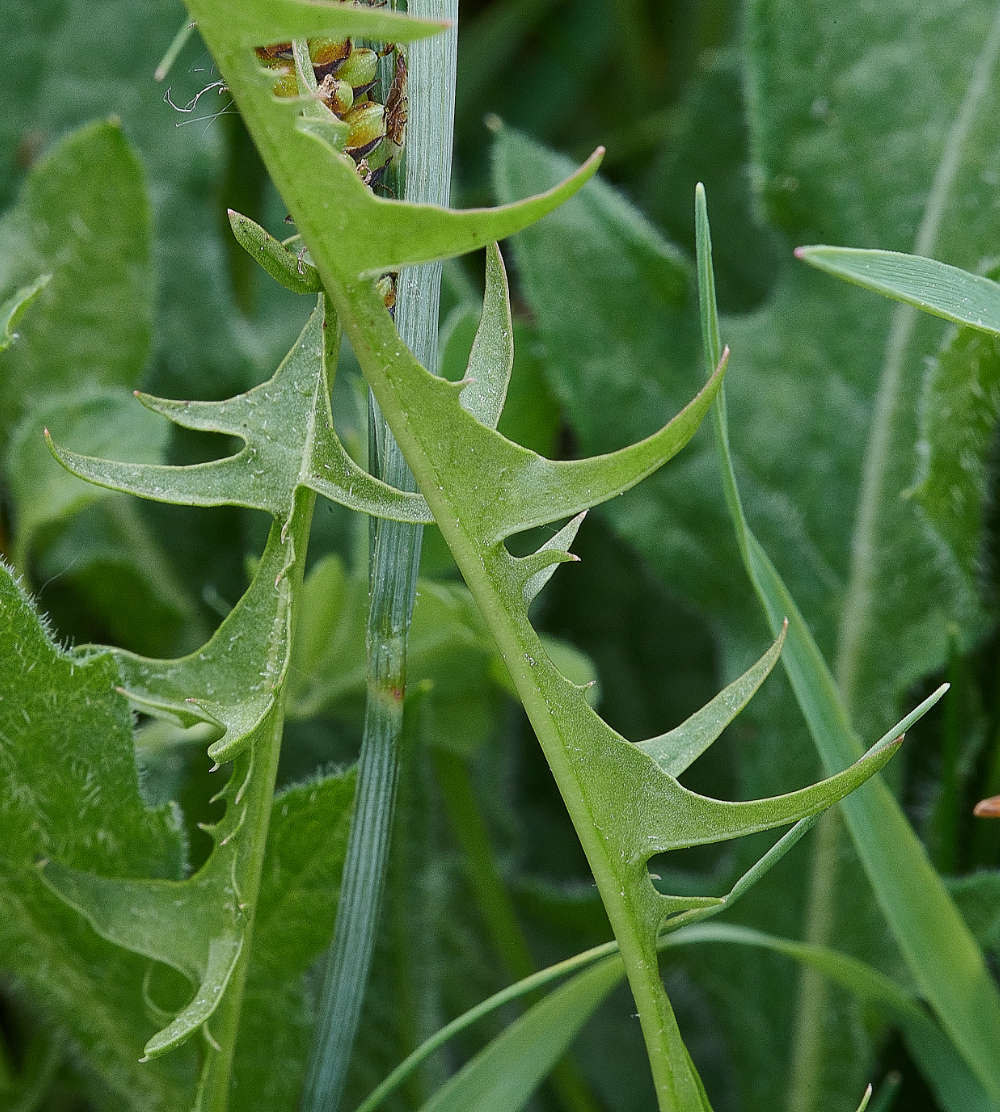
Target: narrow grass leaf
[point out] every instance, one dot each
(955, 1085)
(502, 1077)
(946, 291)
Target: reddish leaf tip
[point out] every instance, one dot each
(988, 808)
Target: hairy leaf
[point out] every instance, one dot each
(71, 795)
(91, 322)
(198, 925)
(961, 404)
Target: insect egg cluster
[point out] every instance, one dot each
(346, 76)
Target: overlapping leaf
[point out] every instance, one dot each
(198, 926)
(71, 794)
(818, 373)
(235, 683)
(289, 441)
(482, 489)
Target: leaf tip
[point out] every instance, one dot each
(595, 160)
(988, 808)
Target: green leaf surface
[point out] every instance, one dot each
(961, 403)
(103, 554)
(100, 421)
(978, 898)
(515, 488)
(211, 685)
(71, 792)
(199, 925)
(937, 288)
(91, 323)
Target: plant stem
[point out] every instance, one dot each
(394, 559)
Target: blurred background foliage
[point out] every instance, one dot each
(488, 878)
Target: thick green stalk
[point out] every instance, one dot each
(394, 560)
(675, 1079)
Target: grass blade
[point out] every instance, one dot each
(946, 291)
(502, 1077)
